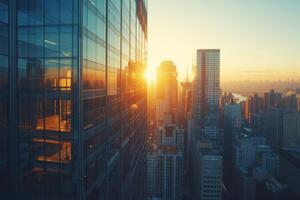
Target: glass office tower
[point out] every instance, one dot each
(4, 96)
(73, 98)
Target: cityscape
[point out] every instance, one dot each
(149, 100)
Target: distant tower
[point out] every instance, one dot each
(167, 93)
(207, 91)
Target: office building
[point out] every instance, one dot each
(282, 128)
(290, 102)
(166, 93)
(232, 126)
(185, 103)
(291, 129)
(254, 163)
(211, 177)
(165, 165)
(233, 113)
(206, 171)
(206, 91)
(244, 149)
(274, 127)
(171, 135)
(272, 99)
(254, 104)
(73, 96)
(289, 170)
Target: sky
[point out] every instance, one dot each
(259, 39)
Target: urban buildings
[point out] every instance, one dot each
(291, 129)
(165, 153)
(254, 163)
(184, 103)
(233, 113)
(206, 171)
(211, 177)
(207, 91)
(73, 96)
(206, 162)
(232, 126)
(167, 93)
(165, 165)
(290, 168)
(272, 99)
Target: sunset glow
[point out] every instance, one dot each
(150, 74)
(253, 46)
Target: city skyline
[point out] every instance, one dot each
(84, 117)
(258, 45)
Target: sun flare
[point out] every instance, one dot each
(150, 75)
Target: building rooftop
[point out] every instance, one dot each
(212, 50)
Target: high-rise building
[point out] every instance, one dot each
(254, 104)
(207, 91)
(234, 114)
(290, 102)
(211, 177)
(165, 156)
(291, 129)
(73, 99)
(185, 103)
(254, 163)
(206, 168)
(167, 93)
(282, 128)
(165, 165)
(289, 169)
(232, 126)
(272, 99)
(206, 171)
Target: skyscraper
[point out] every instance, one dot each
(291, 129)
(167, 93)
(206, 166)
(206, 171)
(165, 165)
(272, 99)
(165, 156)
(232, 126)
(207, 91)
(73, 96)
(211, 177)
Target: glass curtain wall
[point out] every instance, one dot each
(81, 99)
(4, 87)
(47, 61)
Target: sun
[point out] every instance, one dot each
(150, 75)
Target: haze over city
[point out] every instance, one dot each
(259, 40)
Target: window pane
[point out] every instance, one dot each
(51, 41)
(66, 11)
(66, 41)
(52, 12)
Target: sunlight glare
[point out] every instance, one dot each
(150, 75)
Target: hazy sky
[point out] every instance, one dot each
(259, 39)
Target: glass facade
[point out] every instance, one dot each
(81, 98)
(4, 118)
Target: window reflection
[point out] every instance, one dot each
(52, 151)
(54, 112)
